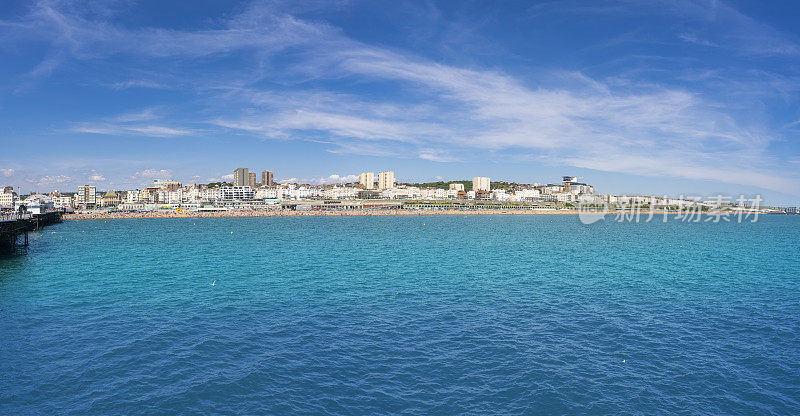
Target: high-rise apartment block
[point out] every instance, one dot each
(367, 180)
(241, 177)
(252, 180)
(87, 196)
(386, 180)
(266, 178)
(480, 183)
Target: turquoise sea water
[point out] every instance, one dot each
(411, 315)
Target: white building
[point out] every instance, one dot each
(527, 195)
(404, 192)
(434, 193)
(8, 198)
(386, 180)
(133, 196)
(36, 204)
(456, 187)
(501, 195)
(480, 183)
(209, 195)
(62, 201)
(170, 197)
(266, 193)
(236, 193)
(367, 180)
(340, 192)
(87, 196)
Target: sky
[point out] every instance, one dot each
(671, 97)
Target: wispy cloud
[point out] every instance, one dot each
(144, 115)
(137, 83)
(714, 23)
(130, 129)
(6, 171)
(138, 123)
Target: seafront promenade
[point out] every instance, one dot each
(318, 213)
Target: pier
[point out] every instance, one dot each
(14, 225)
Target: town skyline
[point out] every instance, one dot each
(142, 180)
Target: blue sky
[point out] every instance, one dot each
(645, 97)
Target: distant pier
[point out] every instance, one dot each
(14, 225)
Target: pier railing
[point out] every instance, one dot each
(15, 216)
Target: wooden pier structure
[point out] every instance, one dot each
(13, 225)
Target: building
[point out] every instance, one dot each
(482, 195)
(480, 183)
(110, 199)
(266, 178)
(456, 187)
(133, 196)
(87, 196)
(8, 197)
(36, 204)
(386, 180)
(166, 185)
(236, 193)
(367, 180)
(252, 180)
(571, 185)
(151, 195)
(61, 201)
(241, 177)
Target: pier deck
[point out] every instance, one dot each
(12, 225)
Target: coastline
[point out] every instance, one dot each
(290, 213)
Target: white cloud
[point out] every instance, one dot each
(53, 180)
(332, 179)
(227, 178)
(153, 174)
(6, 172)
(436, 156)
(96, 176)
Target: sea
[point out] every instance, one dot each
(416, 315)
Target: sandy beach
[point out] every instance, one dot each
(290, 213)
